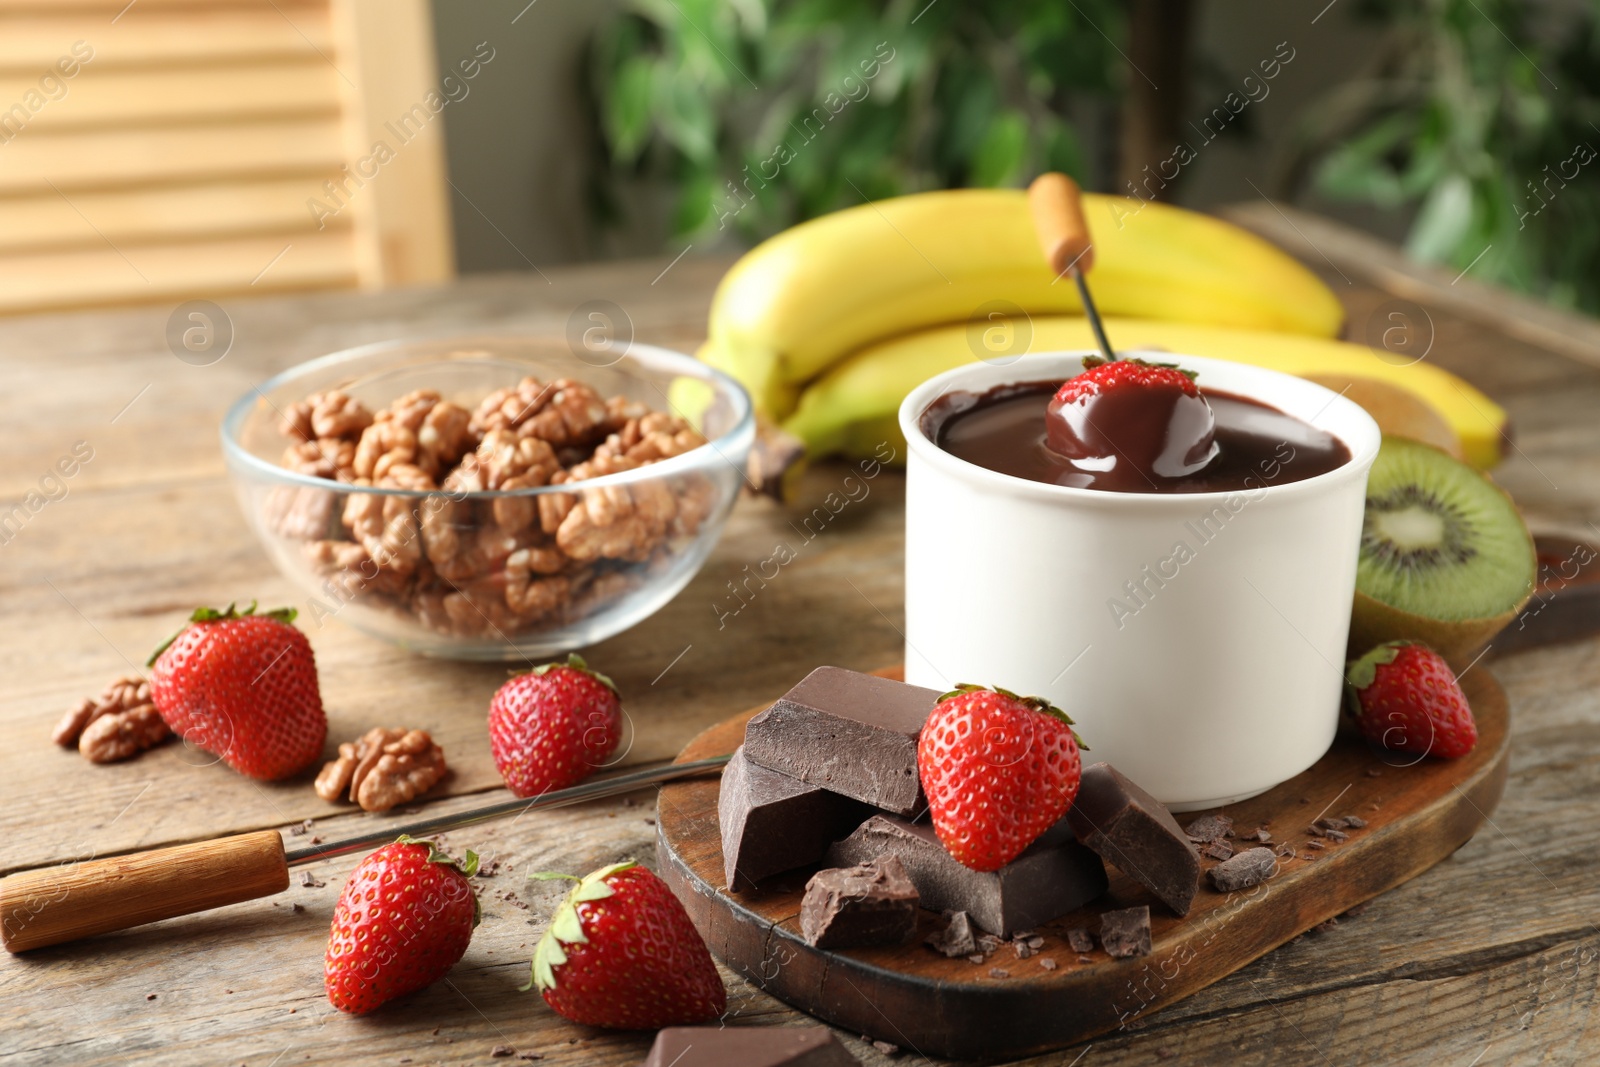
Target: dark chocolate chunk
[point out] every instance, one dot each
(1080, 939)
(1047, 963)
(857, 907)
(1336, 836)
(1021, 950)
(772, 823)
(852, 733)
(1216, 850)
(1136, 833)
(955, 939)
(1250, 867)
(1332, 824)
(1355, 822)
(1126, 933)
(1053, 876)
(748, 1046)
(1209, 828)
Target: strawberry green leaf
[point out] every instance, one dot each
(565, 926)
(206, 615)
(1039, 704)
(578, 663)
(1364, 671)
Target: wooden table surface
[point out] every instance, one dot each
(1490, 958)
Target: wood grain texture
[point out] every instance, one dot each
(1417, 812)
(1491, 953)
(50, 905)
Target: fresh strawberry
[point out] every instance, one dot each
(622, 953)
(244, 686)
(1406, 697)
(551, 727)
(1101, 376)
(999, 770)
(403, 919)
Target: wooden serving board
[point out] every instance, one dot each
(1417, 811)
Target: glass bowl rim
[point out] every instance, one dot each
(239, 410)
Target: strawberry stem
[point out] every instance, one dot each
(204, 614)
(578, 663)
(1039, 704)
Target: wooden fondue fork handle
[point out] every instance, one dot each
(1057, 207)
(50, 905)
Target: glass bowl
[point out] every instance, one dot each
(469, 573)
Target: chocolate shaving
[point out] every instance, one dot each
(956, 939)
(1209, 828)
(1248, 868)
(1126, 933)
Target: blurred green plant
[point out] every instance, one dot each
(761, 113)
(1484, 116)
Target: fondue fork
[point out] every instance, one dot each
(51, 905)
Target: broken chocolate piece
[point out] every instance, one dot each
(858, 907)
(1126, 933)
(956, 939)
(748, 1046)
(852, 733)
(1080, 939)
(1216, 850)
(1137, 834)
(1355, 822)
(1210, 828)
(1053, 876)
(773, 823)
(1250, 867)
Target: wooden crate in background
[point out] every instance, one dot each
(181, 156)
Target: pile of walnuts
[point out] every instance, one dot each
(474, 567)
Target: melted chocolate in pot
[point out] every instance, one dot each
(1004, 430)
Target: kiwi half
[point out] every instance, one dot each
(1445, 557)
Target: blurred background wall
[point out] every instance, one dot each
(520, 151)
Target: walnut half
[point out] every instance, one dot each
(383, 768)
(121, 722)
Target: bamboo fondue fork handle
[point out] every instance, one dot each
(54, 904)
(1057, 207)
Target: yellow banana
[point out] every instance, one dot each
(801, 301)
(853, 406)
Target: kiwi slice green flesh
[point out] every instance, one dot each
(1439, 541)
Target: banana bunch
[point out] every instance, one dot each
(798, 303)
(831, 323)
